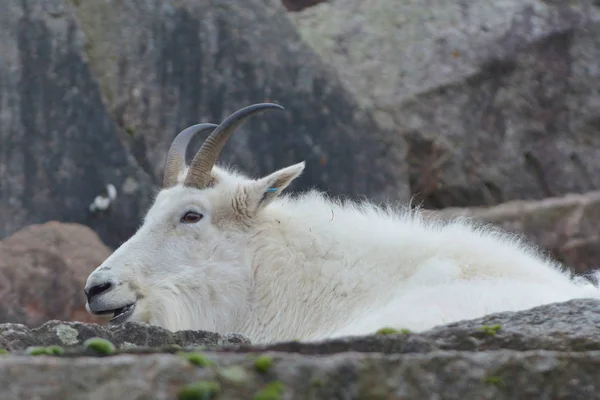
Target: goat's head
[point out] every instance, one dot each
(187, 266)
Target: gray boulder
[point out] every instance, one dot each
(548, 352)
(198, 61)
(497, 100)
(59, 146)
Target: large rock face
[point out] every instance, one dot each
(548, 352)
(192, 61)
(497, 100)
(88, 99)
(59, 146)
(43, 269)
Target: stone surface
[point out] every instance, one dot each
(43, 269)
(443, 375)
(497, 100)
(572, 325)
(549, 352)
(69, 334)
(566, 226)
(196, 61)
(59, 146)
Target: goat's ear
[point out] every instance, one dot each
(264, 190)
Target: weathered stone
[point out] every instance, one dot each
(548, 352)
(502, 374)
(43, 269)
(566, 226)
(497, 100)
(196, 61)
(59, 146)
(68, 334)
(568, 326)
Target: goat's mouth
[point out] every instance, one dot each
(120, 314)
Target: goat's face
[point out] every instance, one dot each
(188, 265)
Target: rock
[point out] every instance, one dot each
(497, 100)
(71, 334)
(565, 227)
(549, 352)
(60, 147)
(444, 375)
(196, 61)
(569, 326)
(43, 269)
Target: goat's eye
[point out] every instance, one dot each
(191, 217)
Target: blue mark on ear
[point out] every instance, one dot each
(272, 189)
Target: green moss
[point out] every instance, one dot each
(272, 391)
(317, 382)
(130, 130)
(38, 351)
(387, 331)
(200, 390)
(494, 380)
(100, 346)
(56, 350)
(263, 363)
(195, 358)
(3, 351)
(490, 330)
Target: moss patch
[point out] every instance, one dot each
(272, 391)
(200, 390)
(263, 363)
(100, 346)
(494, 380)
(3, 351)
(195, 358)
(490, 330)
(392, 331)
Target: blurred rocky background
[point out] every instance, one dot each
(489, 109)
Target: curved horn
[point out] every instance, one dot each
(198, 174)
(176, 155)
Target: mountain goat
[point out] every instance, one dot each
(222, 252)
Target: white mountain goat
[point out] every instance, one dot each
(221, 252)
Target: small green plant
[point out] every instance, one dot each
(56, 350)
(38, 351)
(200, 390)
(263, 363)
(195, 358)
(490, 330)
(130, 130)
(494, 380)
(272, 391)
(387, 331)
(316, 382)
(100, 346)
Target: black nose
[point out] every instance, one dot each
(96, 290)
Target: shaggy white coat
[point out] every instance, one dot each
(276, 267)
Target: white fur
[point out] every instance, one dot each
(310, 267)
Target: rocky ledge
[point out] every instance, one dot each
(548, 352)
